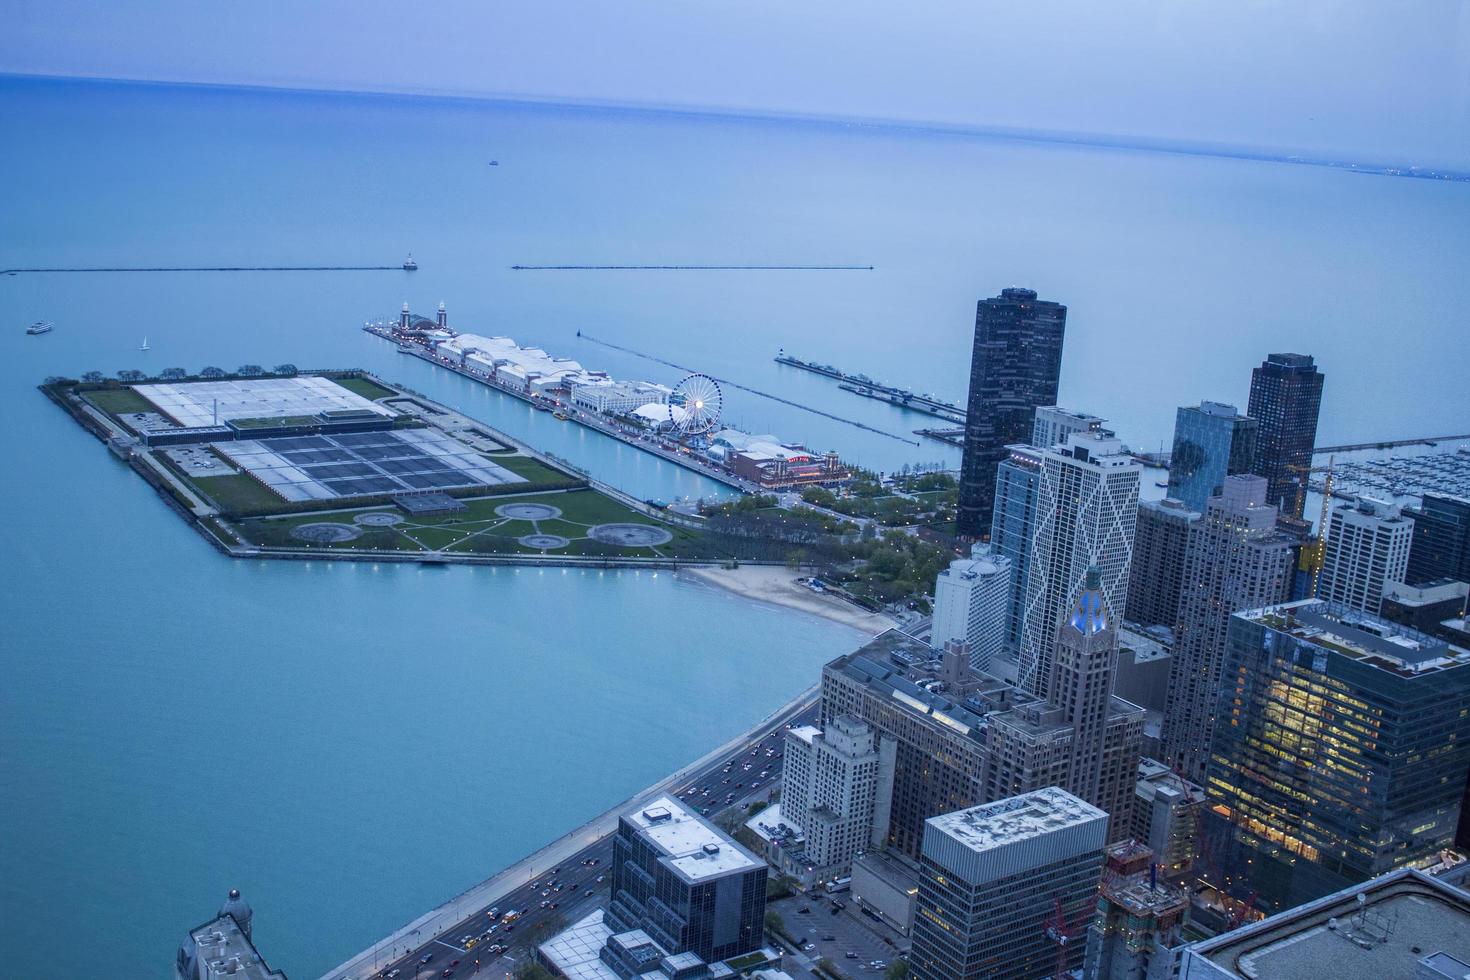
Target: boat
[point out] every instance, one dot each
(145, 344)
(560, 415)
(40, 326)
(405, 348)
(494, 163)
(409, 264)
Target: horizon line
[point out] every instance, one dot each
(1075, 138)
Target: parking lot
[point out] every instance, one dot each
(850, 932)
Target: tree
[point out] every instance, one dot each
(249, 370)
(130, 375)
(533, 971)
(898, 970)
(173, 374)
(288, 370)
(774, 922)
(212, 372)
(93, 377)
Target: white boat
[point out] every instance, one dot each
(145, 344)
(40, 326)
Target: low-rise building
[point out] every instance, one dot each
(886, 886)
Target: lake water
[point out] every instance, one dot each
(351, 744)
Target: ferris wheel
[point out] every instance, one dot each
(694, 406)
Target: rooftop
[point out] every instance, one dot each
(222, 950)
(1018, 818)
(1400, 926)
(1368, 639)
(574, 951)
(200, 403)
(690, 846)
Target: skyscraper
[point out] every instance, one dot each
(1286, 394)
(1014, 367)
(688, 886)
(1156, 578)
(1367, 549)
(1345, 751)
(1139, 921)
(1441, 546)
(1085, 516)
(1236, 559)
(972, 599)
(992, 879)
(1211, 441)
(1052, 425)
(1013, 526)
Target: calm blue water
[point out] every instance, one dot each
(352, 744)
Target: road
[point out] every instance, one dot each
(711, 789)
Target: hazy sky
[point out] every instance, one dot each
(1376, 79)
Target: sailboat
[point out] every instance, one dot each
(145, 344)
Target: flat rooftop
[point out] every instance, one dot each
(198, 403)
(574, 951)
(690, 846)
(1376, 642)
(1405, 919)
(1018, 818)
(224, 951)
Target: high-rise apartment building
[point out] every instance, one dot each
(1156, 577)
(972, 600)
(1236, 559)
(1082, 739)
(1013, 526)
(1053, 424)
(1168, 811)
(1286, 394)
(1085, 516)
(830, 788)
(1441, 547)
(992, 879)
(1211, 441)
(1367, 549)
(1014, 367)
(1340, 752)
(1140, 919)
(684, 883)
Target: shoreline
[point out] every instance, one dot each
(777, 586)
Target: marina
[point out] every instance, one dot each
(866, 387)
(1401, 478)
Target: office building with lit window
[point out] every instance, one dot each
(1013, 527)
(1156, 577)
(1007, 889)
(972, 599)
(1286, 395)
(1339, 753)
(1441, 546)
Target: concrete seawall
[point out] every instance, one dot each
(491, 890)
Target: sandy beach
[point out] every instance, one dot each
(778, 585)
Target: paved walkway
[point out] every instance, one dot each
(559, 851)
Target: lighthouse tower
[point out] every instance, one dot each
(403, 319)
(443, 317)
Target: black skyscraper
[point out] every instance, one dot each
(1286, 392)
(1014, 368)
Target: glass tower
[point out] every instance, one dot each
(1286, 393)
(1014, 367)
(1211, 441)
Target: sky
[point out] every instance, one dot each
(1367, 80)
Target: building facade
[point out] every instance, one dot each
(972, 600)
(1236, 559)
(1015, 364)
(1156, 578)
(997, 882)
(684, 883)
(1340, 753)
(1441, 546)
(1211, 441)
(1139, 925)
(1013, 526)
(830, 788)
(1053, 424)
(1286, 395)
(1367, 549)
(1085, 517)
(1168, 812)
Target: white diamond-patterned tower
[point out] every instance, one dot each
(1085, 517)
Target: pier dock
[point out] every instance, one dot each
(866, 387)
(219, 268)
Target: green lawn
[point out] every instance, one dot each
(117, 401)
(370, 390)
(531, 470)
(280, 421)
(237, 494)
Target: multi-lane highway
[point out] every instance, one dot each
(749, 771)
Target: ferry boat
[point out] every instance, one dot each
(40, 326)
(560, 415)
(409, 264)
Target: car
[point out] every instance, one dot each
(392, 974)
(556, 871)
(829, 939)
(850, 955)
(809, 947)
(427, 957)
(835, 910)
(804, 910)
(594, 862)
(745, 806)
(544, 903)
(600, 878)
(552, 905)
(470, 943)
(545, 892)
(448, 972)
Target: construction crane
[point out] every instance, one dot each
(1064, 934)
(1318, 548)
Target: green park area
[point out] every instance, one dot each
(579, 522)
(366, 387)
(119, 401)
